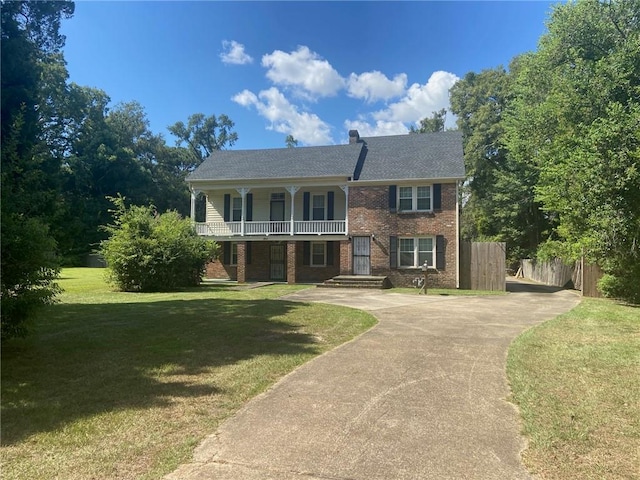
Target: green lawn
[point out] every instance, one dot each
(125, 385)
(576, 380)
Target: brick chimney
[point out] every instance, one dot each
(354, 136)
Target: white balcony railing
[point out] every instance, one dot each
(267, 228)
(319, 227)
(314, 227)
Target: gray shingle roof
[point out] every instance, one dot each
(299, 162)
(419, 156)
(416, 155)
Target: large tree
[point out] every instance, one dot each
(31, 45)
(499, 194)
(576, 120)
(114, 152)
(202, 135)
(434, 123)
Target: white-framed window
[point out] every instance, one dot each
(414, 199)
(318, 254)
(317, 207)
(234, 254)
(236, 209)
(413, 252)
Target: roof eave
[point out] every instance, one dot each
(266, 182)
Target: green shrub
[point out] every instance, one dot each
(29, 271)
(147, 251)
(622, 287)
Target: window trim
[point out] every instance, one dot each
(324, 254)
(414, 198)
(416, 251)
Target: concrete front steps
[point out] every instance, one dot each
(357, 281)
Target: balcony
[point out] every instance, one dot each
(232, 229)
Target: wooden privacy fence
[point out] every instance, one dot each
(581, 276)
(554, 272)
(483, 266)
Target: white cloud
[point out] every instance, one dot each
(304, 70)
(285, 117)
(245, 98)
(380, 128)
(420, 100)
(233, 52)
(373, 86)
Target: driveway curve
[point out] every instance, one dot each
(422, 395)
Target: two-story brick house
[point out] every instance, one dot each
(377, 206)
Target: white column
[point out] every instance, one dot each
(345, 189)
(243, 193)
(194, 194)
(292, 192)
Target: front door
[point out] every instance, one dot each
(361, 256)
(277, 267)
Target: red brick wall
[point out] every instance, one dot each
(291, 262)
(258, 269)
(345, 258)
(242, 264)
(369, 214)
(216, 269)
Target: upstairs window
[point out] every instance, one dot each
(236, 211)
(317, 211)
(405, 197)
(414, 199)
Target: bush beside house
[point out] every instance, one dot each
(147, 251)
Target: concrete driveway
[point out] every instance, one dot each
(420, 396)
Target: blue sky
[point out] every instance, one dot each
(310, 69)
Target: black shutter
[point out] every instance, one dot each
(306, 202)
(330, 205)
(440, 252)
(392, 198)
(247, 253)
(249, 206)
(330, 253)
(227, 207)
(393, 252)
(437, 196)
(306, 253)
(226, 253)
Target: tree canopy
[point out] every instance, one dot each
(30, 45)
(64, 150)
(435, 123)
(553, 146)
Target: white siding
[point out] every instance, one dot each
(262, 203)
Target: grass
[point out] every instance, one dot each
(122, 385)
(576, 381)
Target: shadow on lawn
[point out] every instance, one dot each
(88, 359)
